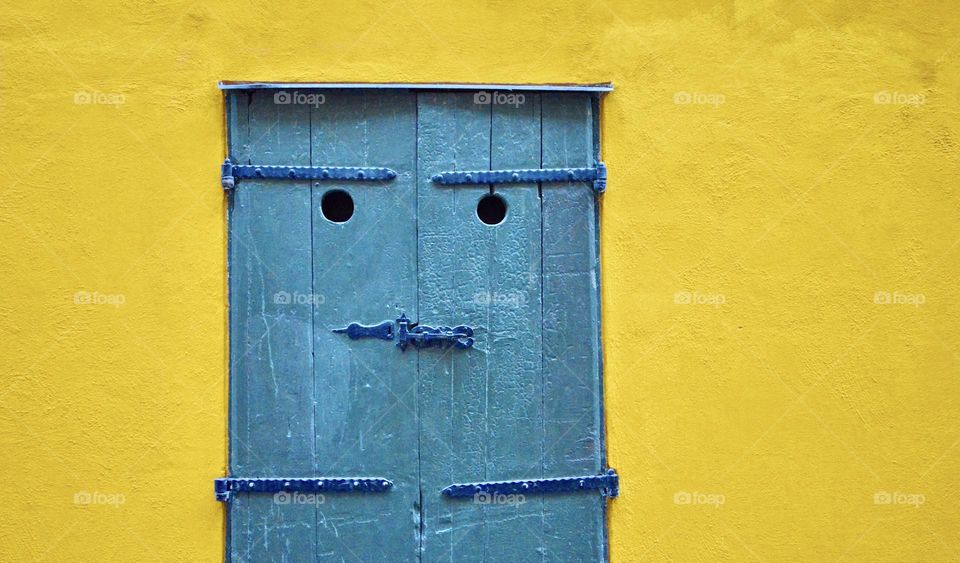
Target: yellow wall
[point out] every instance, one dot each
(746, 235)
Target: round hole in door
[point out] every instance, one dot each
(492, 209)
(337, 206)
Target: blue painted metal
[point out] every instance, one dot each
(608, 484)
(422, 336)
(596, 175)
(600, 184)
(230, 173)
(600, 88)
(225, 487)
(227, 179)
(412, 334)
(383, 331)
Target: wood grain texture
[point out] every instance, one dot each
(365, 271)
(271, 338)
(454, 133)
(571, 319)
(511, 299)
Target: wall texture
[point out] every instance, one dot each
(781, 240)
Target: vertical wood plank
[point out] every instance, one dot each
(511, 300)
(571, 320)
(365, 271)
(238, 131)
(271, 340)
(454, 133)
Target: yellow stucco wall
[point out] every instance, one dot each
(780, 258)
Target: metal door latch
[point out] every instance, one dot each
(412, 334)
(230, 173)
(608, 484)
(422, 336)
(227, 486)
(383, 331)
(596, 175)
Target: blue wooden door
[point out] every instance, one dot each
(524, 402)
(313, 399)
(306, 402)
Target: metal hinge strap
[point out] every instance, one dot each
(608, 484)
(225, 487)
(596, 175)
(230, 173)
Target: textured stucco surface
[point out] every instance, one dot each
(762, 194)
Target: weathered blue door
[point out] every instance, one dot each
(415, 359)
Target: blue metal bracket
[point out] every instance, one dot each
(596, 175)
(383, 331)
(608, 484)
(421, 336)
(227, 486)
(412, 334)
(230, 173)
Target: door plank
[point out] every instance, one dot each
(271, 361)
(365, 271)
(512, 306)
(571, 319)
(480, 408)
(454, 133)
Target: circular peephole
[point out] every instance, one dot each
(491, 209)
(337, 206)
